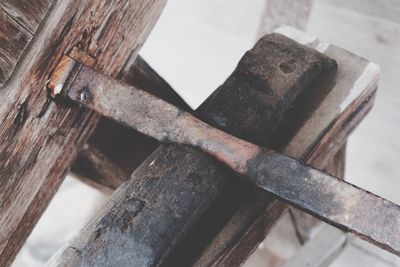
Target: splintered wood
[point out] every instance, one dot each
(19, 22)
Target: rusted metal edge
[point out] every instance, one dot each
(332, 200)
(66, 70)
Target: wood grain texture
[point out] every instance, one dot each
(19, 20)
(13, 41)
(41, 139)
(257, 87)
(104, 174)
(342, 109)
(27, 13)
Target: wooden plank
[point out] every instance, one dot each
(20, 20)
(39, 138)
(285, 12)
(104, 174)
(177, 209)
(13, 41)
(326, 128)
(27, 13)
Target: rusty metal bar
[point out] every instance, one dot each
(332, 200)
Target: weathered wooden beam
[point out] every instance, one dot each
(327, 127)
(13, 41)
(104, 174)
(27, 13)
(19, 20)
(40, 139)
(259, 87)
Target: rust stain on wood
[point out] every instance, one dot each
(60, 75)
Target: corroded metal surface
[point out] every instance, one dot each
(328, 198)
(335, 201)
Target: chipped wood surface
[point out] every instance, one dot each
(13, 41)
(27, 13)
(40, 139)
(19, 20)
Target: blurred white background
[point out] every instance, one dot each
(196, 45)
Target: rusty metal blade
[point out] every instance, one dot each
(326, 197)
